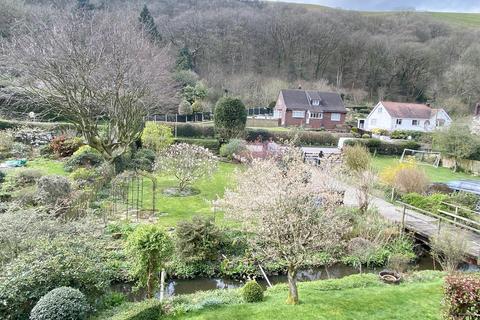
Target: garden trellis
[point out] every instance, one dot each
(133, 193)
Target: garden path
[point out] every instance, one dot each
(417, 222)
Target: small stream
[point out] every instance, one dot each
(186, 286)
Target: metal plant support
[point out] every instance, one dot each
(129, 192)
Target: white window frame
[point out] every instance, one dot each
(316, 115)
(298, 114)
(277, 114)
(336, 116)
(373, 122)
(380, 109)
(315, 102)
(398, 122)
(415, 122)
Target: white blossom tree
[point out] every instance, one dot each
(187, 163)
(288, 213)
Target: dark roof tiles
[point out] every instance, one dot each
(296, 99)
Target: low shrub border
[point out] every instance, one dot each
(52, 126)
(317, 138)
(202, 131)
(211, 144)
(462, 296)
(384, 148)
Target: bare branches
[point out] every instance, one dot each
(99, 70)
(288, 213)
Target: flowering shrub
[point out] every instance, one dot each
(462, 297)
(187, 162)
(380, 132)
(406, 177)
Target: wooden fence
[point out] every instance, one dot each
(442, 216)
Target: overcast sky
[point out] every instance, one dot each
(386, 5)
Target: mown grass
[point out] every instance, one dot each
(47, 166)
(439, 174)
(171, 209)
(373, 302)
(174, 209)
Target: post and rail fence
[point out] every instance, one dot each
(442, 217)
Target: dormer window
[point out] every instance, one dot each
(315, 102)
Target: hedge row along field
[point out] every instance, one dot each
(317, 138)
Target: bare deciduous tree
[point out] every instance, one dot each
(98, 70)
(288, 214)
(448, 248)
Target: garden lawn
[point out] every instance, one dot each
(435, 174)
(172, 209)
(46, 166)
(175, 209)
(405, 301)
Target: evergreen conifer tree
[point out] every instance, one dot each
(148, 22)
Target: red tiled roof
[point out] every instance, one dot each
(407, 110)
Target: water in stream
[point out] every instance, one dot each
(185, 286)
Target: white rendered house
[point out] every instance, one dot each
(392, 116)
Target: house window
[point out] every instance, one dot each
(316, 115)
(277, 114)
(380, 109)
(298, 114)
(399, 122)
(335, 116)
(316, 102)
(373, 122)
(440, 122)
(415, 122)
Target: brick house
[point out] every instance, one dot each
(312, 109)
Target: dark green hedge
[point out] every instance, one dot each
(317, 138)
(191, 130)
(382, 147)
(211, 144)
(197, 131)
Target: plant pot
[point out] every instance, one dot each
(391, 277)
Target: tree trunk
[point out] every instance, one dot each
(292, 285)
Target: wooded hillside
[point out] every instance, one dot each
(252, 49)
